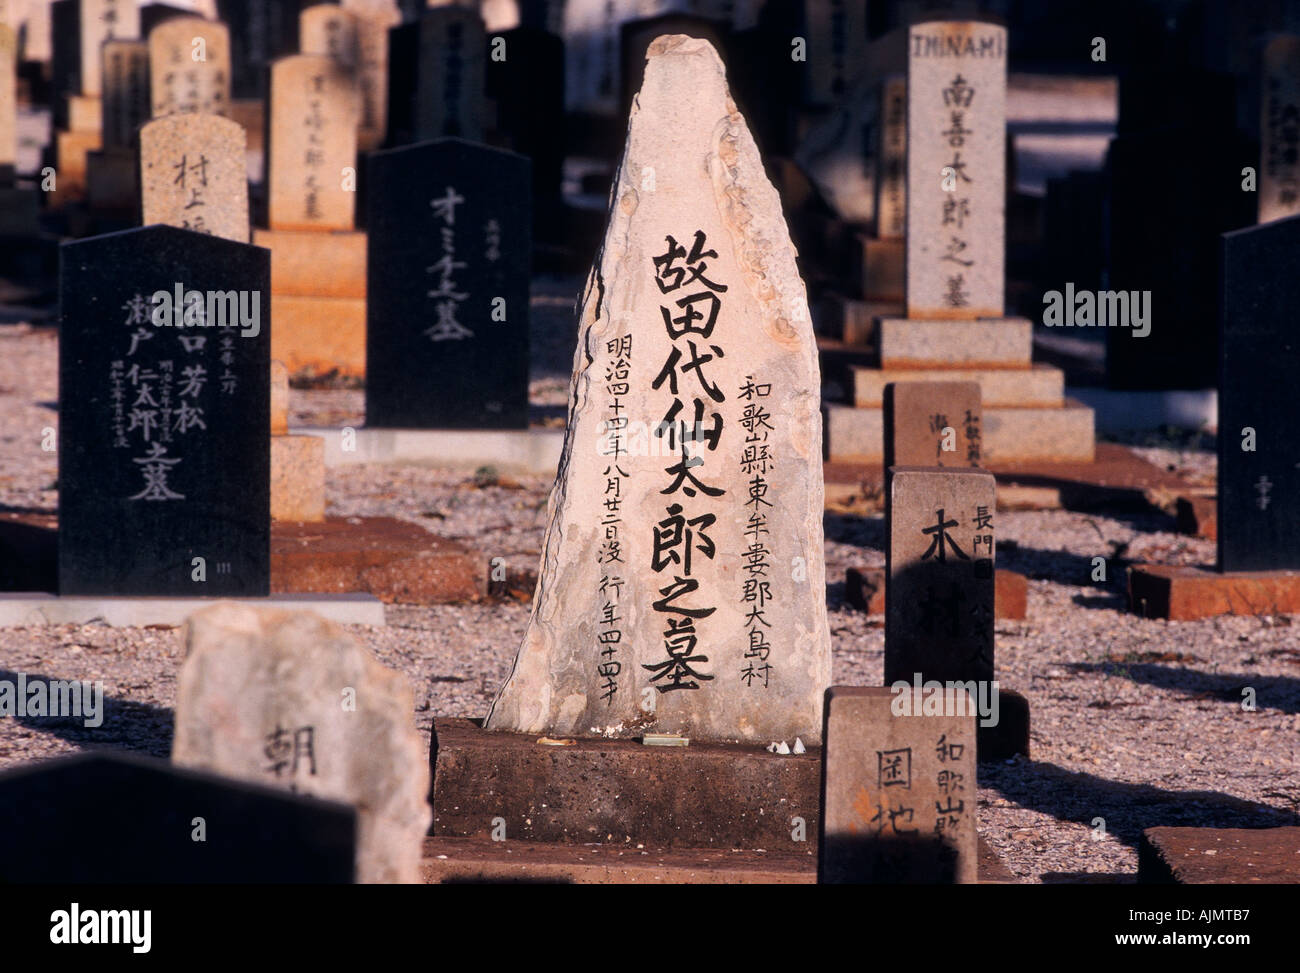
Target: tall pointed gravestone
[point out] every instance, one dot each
(164, 413)
(682, 580)
(447, 347)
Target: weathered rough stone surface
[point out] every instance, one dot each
(1219, 856)
(956, 169)
(298, 478)
(695, 229)
(289, 699)
(181, 81)
(620, 792)
(899, 792)
(193, 175)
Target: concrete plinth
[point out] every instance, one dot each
(1185, 593)
(714, 796)
(1041, 386)
(983, 343)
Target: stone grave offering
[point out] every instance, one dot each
(189, 66)
(192, 175)
(693, 449)
(180, 826)
(290, 700)
(932, 424)
(1279, 130)
(449, 96)
(1258, 570)
(297, 462)
(374, 19)
(450, 238)
(111, 185)
(318, 261)
(899, 791)
(939, 557)
(163, 415)
(955, 329)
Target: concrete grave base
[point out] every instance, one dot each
(535, 450)
(1186, 593)
(24, 609)
(982, 343)
(1041, 385)
(576, 814)
(1219, 856)
(320, 336)
(1198, 516)
(705, 795)
(394, 560)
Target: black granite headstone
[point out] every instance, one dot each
(120, 818)
(65, 57)
(403, 79)
(1259, 438)
(260, 32)
(449, 243)
(164, 440)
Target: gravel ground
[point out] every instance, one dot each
(1136, 722)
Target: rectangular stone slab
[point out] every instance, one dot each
(899, 793)
(1186, 593)
(1219, 856)
(940, 526)
(932, 424)
(1042, 385)
(990, 343)
(1259, 442)
(956, 169)
(620, 792)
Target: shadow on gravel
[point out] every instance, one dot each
(1128, 809)
(1107, 602)
(852, 529)
(1271, 692)
(124, 724)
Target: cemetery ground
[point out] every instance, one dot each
(1136, 722)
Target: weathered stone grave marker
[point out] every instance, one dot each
(111, 170)
(932, 424)
(899, 790)
(189, 66)
(1279, 130)
(940, 557)
(291, 700)
(313, 140)
(192, 175)
(450, 236)
(690, 486)
(163, 439)
(102, 20)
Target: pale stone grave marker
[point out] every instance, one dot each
(956, 169)
(939, 558)
(291, 700)
(102, 20)
(891, 198)
(192, 175)
(189, 66)
(313, 140)
(899, 791)
(682, 580)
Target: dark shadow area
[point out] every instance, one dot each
(893, 860)
(852, 529)
(1127, 809)
(1271, 692)
(1105, 602)
(124, 724)
(29, 551)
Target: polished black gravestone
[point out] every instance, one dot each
(121, 818)
(1259, 488)
(164, 438)
(449, 240)
(260, 32)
